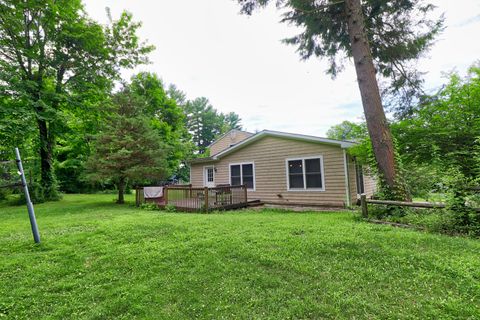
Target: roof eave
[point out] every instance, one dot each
(259, 135)
(201, 160)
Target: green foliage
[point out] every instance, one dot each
(236, 265)
(459, 216)
(439, 141)
(349, 131)
(205, 123)
(166, 117)
(37, 195)
(55, 63)
(422, 180)
(149, 206)
(440, 137)
(128, 149)
(460, 190)
(170, 208)
(399, 31)
(364, 155)
(400, 190)
(445, 130)
(431, 220)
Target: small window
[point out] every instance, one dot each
(305, 174)
(235, 175)
(313, 173)
(210, 175)
(295, 174)
(242, 173)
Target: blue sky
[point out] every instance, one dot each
(207, 49)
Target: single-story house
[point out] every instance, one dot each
(284, 168)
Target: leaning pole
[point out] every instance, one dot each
(31, 212)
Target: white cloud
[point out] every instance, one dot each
(207, 49)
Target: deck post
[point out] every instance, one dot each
(245, 193)
(206, 198)
(165, 194)
(363, 203)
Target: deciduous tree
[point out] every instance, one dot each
(445, 130)
(52, 55)
(348, 130)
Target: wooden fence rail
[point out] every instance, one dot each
(433, 205)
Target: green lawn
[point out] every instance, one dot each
(100, 260)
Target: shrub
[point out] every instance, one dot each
(170, 208)
(149, 206)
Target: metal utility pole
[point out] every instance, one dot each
(31, 212)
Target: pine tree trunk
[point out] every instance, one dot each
(121, 191)
(378, 128)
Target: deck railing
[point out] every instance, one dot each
(188, 198)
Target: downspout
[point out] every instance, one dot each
(347, 181)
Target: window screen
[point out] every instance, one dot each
(305, 173)
(313, 173)
(235, 176)
(242, 174)
(295, 174)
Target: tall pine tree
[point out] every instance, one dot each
(383, 36)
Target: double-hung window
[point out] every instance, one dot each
(242, 173)
(305, 174)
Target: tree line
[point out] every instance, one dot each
(58, 102)
(438, 146)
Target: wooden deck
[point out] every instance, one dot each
(187, 198)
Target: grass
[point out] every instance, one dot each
(99, 260)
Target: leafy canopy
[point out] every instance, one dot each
(348, 130)
(445, 131)
(57, 64)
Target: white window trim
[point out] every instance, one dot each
(241, 173)
(205, 177)
(322, 172)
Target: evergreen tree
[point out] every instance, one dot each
(232, 121)
(379, 35)
(128, 149)
(205, 123)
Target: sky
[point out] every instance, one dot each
(207, 49)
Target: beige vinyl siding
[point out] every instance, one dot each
(269, 156)
(232, 137)
(196, 174)
(352, 178)
(370, 183)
